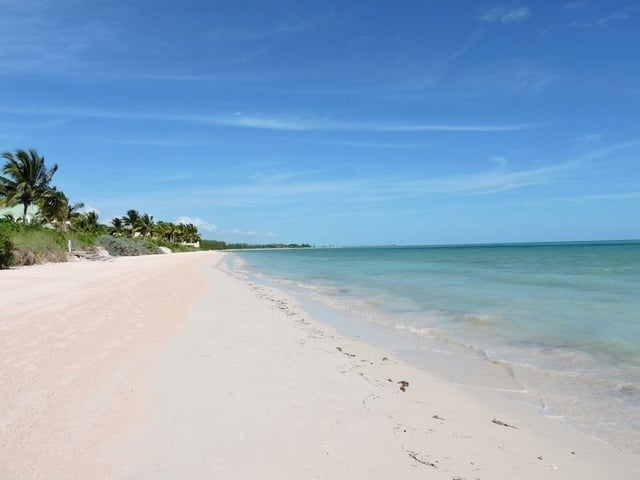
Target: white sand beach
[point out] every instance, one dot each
(168, 367)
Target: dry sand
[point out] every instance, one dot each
(167, 367)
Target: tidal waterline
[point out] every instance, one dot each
(560, 322)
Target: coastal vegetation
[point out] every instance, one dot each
(6, 251)
(220, 245)
(49, 224)
(127, 247)
(25, 180)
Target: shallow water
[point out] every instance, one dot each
(559, 323)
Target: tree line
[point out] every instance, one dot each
(26, 181)
(220, 245)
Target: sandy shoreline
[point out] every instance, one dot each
(167, 367)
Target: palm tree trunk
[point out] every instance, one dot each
(24, 213)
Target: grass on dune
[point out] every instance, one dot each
(29, 245)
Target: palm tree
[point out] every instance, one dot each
(179, 234)
(186, 233)
(191, 233)
(145, 224)
(53, 207)
(131, 220)
(172, 229)
(73, 212)
(163, 230)
(26, 179)
(88, 222)
(117, 227)
(57, 210)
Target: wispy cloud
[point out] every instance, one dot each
(36, 38)
(604, 152)
(605, 196)
(448, 128)
(487, 183)
(206, 226)
(494, 180)
(598, 197)
(575, 5)
(146, 142)
(622, 14)
(320, 188)
(248, 233)
(505, 15)
(591, 138)
(256, 34)
(466, 46)
(228, 76)
(506, 78)
(376, 145)
(263, 122)
(378, 188)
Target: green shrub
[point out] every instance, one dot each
(6, 251)
(10, 227)
(33, 244)
(126, 247)
(81, 240)
(150, 247)
(212, 245)
(38, 245)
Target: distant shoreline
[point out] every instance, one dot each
(492, 244)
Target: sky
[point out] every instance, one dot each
(335, 122)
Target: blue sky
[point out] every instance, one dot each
(335, 122)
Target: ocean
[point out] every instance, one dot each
(554, 326)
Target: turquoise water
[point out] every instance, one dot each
(563, 320)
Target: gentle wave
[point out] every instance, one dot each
(559, 324)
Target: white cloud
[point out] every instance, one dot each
(199, 223)
(505, 15)
(257, 121)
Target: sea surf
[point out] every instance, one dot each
(555, 326)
